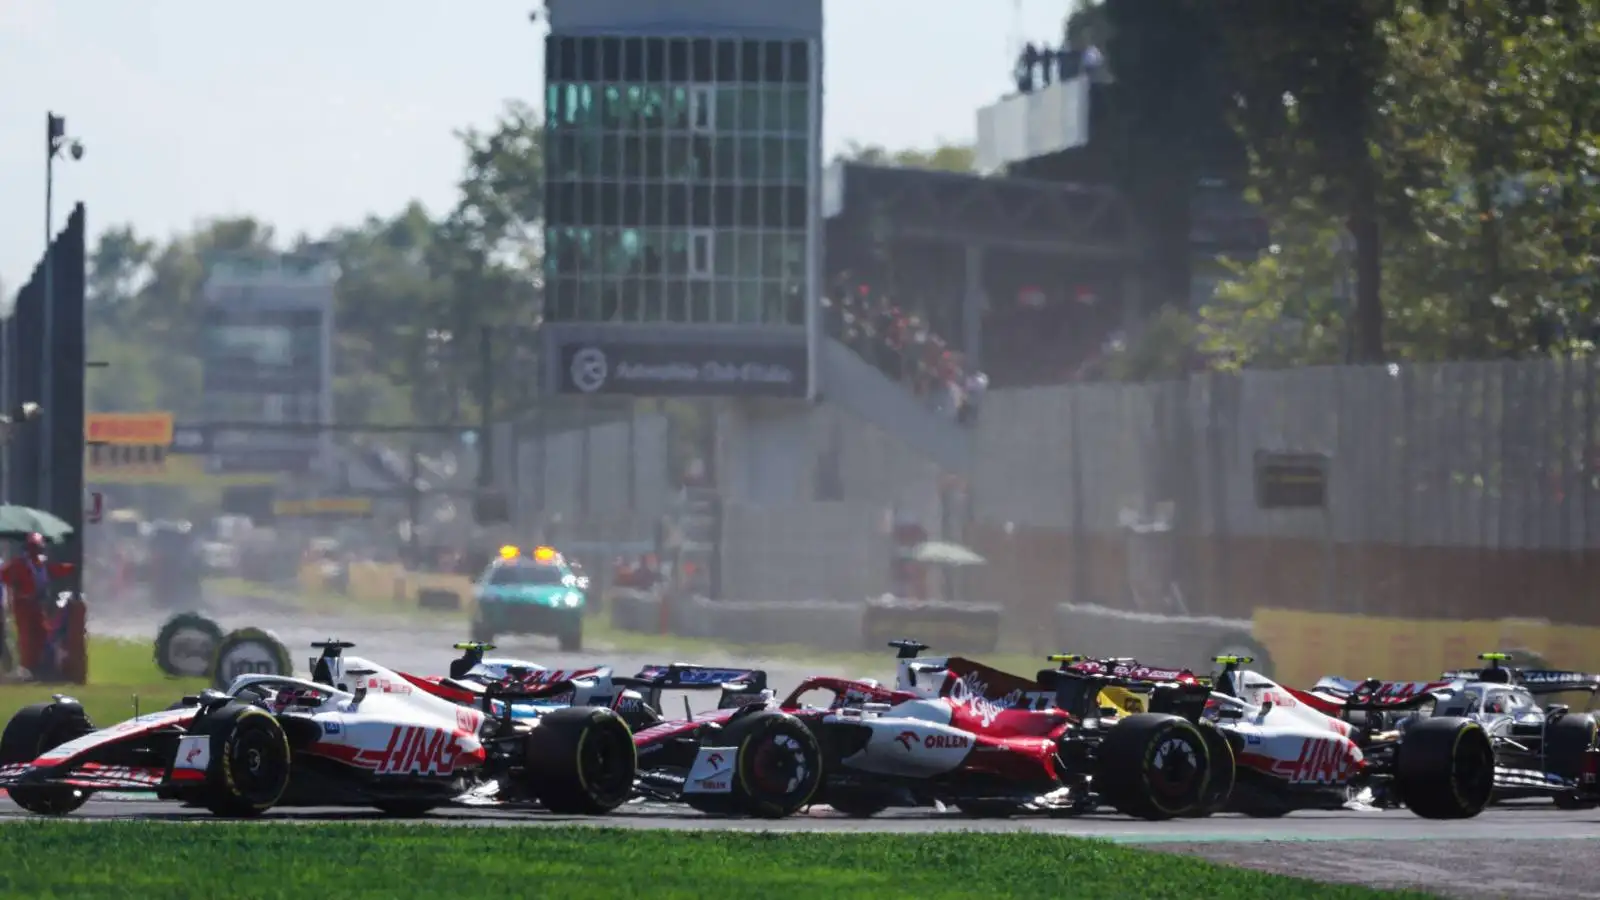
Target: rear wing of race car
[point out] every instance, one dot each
(1536, 681)
(1548, 681)
(738, 686)
(1375, 694)
(1079, 680)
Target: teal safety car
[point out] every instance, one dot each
(531, 593)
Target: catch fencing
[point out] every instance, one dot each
(1456, 491)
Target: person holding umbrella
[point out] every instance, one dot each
(27, 579)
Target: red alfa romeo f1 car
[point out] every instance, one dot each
(949, 732)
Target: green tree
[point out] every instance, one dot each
(1484, 120)
(943, 158)
(489, 253)
(1505, 221)
(1304, 78)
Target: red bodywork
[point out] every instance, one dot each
(1014, 722)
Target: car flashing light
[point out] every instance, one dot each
(509, 552)
(544, 554)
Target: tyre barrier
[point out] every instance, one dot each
(186, 645)
(1191, 642)
(249, 651)
(438, 598)
(954, 627)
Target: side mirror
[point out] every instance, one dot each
(1266, 707)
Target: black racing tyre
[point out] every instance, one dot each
(859, 804)
(1154, 766)
(30, 733)
(186, 644)
(581, 761)
(1567, 742)
(250, 761)
(1445, 768)
(1223, 772)
(777, 768)
(570, 636)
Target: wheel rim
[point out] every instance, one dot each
(1175, 768)
(257, 766)
(778, 765)
(604, 758)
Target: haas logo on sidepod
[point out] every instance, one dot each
(1322, 761)
(417, 750)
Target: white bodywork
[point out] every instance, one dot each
(1284, 736)
(394, 729)
(913, 738)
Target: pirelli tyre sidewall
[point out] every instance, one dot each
(1445, 768)
(1154, 766)
(778, 764)
(250, 760)
(1222, 771)
(249, 651)
(580, 761)
(186, 645)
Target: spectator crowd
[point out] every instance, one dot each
(902, 345)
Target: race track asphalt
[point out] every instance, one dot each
(1528, 850)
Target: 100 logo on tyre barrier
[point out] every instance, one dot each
(249, 651)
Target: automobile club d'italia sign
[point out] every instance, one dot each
(668, 369)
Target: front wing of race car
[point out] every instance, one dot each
(87, 776)
(1509, 782)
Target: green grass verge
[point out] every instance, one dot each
(122, 859)
(119, 670)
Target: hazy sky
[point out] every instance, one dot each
(312, 113)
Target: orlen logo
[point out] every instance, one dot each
(909, 739)
(193, 752)
(714, 760)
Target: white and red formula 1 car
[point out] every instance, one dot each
(355, 734)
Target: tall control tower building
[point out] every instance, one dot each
(681, 213)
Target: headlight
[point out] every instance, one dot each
(574, 599)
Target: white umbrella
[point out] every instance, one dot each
(946, 553)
